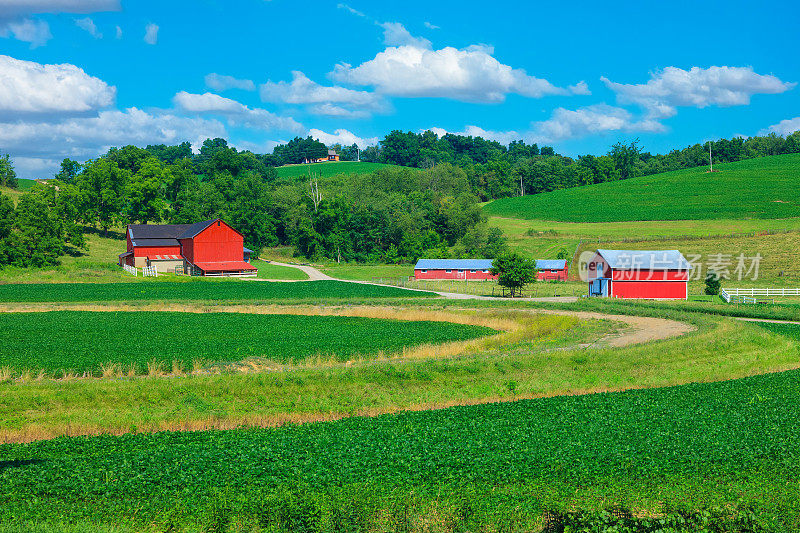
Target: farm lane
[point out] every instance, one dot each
(640, 329)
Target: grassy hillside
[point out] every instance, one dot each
(763, 188)
(330, 169)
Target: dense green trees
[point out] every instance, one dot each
(514, 271)
(8, 178)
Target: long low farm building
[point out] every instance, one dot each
(480, 269)
(208, 248)
(642, 274)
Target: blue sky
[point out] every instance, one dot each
(79, 76)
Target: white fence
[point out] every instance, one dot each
(739, 295)
(150, 271)
(130, 269)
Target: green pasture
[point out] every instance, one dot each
(331, 168)
(726, 445)
(218, 291)
(59, 342)
(762, 188)
(267, 270)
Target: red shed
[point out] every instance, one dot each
(208, 248)
(552, 269)
(453, 269)
(644, 274)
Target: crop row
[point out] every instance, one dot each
(215, 290)
(80, 341)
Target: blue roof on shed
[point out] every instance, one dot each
(645, 259)
(458, 264)
(551, 264)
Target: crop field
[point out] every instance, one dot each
(59, 342)
(209, 290)
(697, 446)
(325, 170)
(367, 272)
(761, 188)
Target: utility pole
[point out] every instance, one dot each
(358, 154)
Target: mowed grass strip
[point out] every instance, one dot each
(698, 444)
(84, 341)
(327, 169)
(757, 188)
(210, 290)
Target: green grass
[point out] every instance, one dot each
(325, 170)
(210, 290)
(268, 270)
(762, 188)
(25, 185)
(367, 272)
(79, 341)
(730, 443)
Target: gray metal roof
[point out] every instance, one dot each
(156, 242)
(551, 264)
(156, 231)
(194, 229)
(457, 264)
(247, 250)
(645, 259)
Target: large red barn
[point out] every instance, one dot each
(208, 248)
(643, 274)
(479, 269)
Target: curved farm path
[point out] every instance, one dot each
(639, 329)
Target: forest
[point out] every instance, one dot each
(428, 208)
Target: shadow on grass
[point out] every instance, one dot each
(17, 463)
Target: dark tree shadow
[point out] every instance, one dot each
(17, 463)
(118, 235)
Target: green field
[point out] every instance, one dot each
(367, 272)
(267, 270)
(690, 447)
(762, 188)
(325, 170)
(216, 291)
(59, 342)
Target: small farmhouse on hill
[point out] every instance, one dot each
(549, 269)
(208, 248)
(643, 274)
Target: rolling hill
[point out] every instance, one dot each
(762, 188)
(325, 170)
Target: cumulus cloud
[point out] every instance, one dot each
(395, 34)
(35, 32)
(470, 74)
(698, 87)
(343, 137)
(591, 120)
(38, 143)
(503, 137)
(88, 25)
(221, 82)
(151, 33)
(431, 26)
(237, 113)
(333, 101)
(30, 88)
(784, 127)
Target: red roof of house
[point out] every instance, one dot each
(224, 266)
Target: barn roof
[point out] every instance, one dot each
(156, 231)
(193, 229)
(645, 259)
(551, 264)
(156, 242)
(331, 152)
(225, 266)
(459, 264)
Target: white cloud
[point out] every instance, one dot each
(151, 33)
(343, 137)
(16, 8)
(351, 10)
(591, 120)
(332, 110)
(784, 127)
(301, 90)
(119, 33)
(36, 32)
(29, 88)
(237, 113)
(503, 137)
(221, 82)
(698, 87)
(395, 34)
(83, 138)
(431, 26)
(88, 25)
(470, 74)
